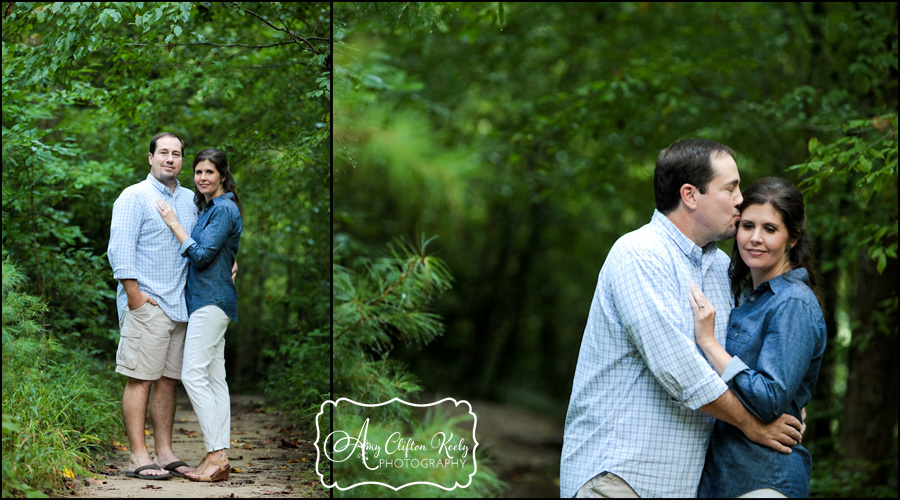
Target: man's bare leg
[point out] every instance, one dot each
(162, 413)
(134, 412)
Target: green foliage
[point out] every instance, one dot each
(299, 373)
(60, 408)
(379, 302)
(42, 195)
(528, 141)
(87, 85)
(20, 310)
(843, 478)
(864, 158)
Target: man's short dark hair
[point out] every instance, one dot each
(165, 134)
(687, 161)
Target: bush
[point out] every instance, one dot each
(60, 406)
(377, 302)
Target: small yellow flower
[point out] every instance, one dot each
(67, 473)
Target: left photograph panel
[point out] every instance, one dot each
(166, 247)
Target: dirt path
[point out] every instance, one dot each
(270, 457)
(523, 447)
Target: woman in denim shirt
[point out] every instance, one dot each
(212, 303)
(775, 342)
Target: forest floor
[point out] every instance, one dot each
(269, 456)
(522, 447)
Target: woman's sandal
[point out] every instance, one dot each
(219, 475)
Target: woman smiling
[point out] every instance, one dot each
(775, 342)
(212, 303)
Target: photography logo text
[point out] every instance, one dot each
(397, 444)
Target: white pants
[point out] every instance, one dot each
(606, 485)
(203, 375)
(764, 493)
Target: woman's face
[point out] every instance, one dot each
(208, 180)
(762, 240)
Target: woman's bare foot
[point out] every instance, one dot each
(212, 460)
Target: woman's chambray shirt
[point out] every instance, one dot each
(777, 337)
(212, 248)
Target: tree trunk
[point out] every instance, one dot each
(870, 405)
(822, 402)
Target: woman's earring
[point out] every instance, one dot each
(788, 248)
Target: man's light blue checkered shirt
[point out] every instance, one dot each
(640, 376)
(142, 247)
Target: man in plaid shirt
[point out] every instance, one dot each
(632, 428)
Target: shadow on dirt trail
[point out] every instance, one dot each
(269, 456)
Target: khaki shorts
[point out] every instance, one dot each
(151, 345)
(606, 485)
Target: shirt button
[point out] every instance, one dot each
(752, 299)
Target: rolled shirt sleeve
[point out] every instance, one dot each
(656, 329)
(640, 377)
(210, 240)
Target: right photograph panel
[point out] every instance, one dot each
(569, 238)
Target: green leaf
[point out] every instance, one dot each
(177, 30)
(865, 164)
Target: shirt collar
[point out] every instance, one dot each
(781, 281)
(229, 196)
(160, 186)
(688, 247)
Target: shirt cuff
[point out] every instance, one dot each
(734, 367)
(125, 273)
(707, 391)
(184, 246)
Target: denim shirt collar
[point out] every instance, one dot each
(775, 284)
(229, 196)
(160, 186)
(688, 247)
(781, 281)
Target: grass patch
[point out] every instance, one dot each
(61, 408)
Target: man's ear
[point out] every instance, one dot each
(689, 196)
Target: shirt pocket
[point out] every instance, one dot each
(738, 338)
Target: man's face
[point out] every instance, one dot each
(717, 210)
(165, 164)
